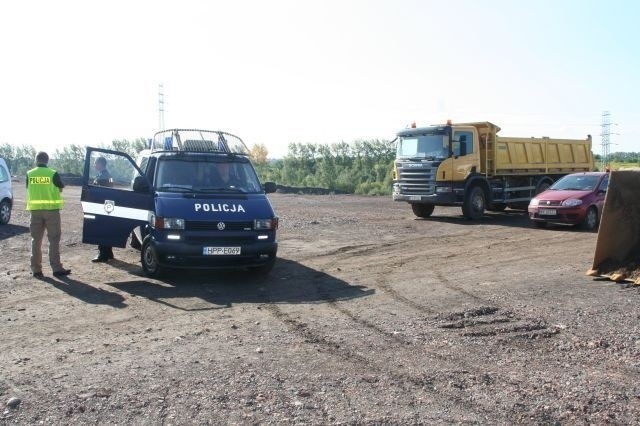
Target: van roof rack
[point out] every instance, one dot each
(197, 140)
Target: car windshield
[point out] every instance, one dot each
(576, 183)
(428, 146)
(201, 175)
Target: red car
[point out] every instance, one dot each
(575, 199)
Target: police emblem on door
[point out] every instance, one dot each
(109, 206)
(221, 226)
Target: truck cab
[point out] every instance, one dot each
(192, 200)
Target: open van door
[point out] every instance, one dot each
(112, 210)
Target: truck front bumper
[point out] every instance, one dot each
(442, 199)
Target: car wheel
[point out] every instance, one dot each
(149, 260)
(5, 212)
(474, 204)
(590, 221)
(422, 210)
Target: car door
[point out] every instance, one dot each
(113, 207)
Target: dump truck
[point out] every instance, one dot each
(469, 165)
(617, 254)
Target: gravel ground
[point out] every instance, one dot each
(370, 316)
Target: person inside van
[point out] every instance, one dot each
(227, 176)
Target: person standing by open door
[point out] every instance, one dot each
(103, 178)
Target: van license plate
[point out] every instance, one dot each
(220, 251)
(547, 212)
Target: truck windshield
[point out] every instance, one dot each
(431, 147)
(187, 175)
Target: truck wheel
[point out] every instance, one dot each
(474, 204)
(5, 212)
(422, 210)
(149, 260)
(590, 221)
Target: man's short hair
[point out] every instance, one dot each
(101, 160)
(42, 158)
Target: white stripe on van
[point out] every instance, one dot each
(118, 211)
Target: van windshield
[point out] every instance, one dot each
(186, 175)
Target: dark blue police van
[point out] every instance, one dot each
(192, 200)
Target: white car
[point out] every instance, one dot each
(6, 196)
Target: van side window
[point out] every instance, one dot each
(462, 137)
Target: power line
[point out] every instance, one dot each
(606, 144)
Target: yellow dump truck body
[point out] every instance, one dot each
(503, 155)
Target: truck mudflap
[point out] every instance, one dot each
(617, 253)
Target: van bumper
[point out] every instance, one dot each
(184, 255)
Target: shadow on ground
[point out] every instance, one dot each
(288, 282)
(9, 230)
(86, 292)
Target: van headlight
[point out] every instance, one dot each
(262, 224)
(158, 222)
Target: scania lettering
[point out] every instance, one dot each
(469, 165)
(192, 200)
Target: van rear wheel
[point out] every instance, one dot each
(149, 260)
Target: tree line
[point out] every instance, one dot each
(361, 167)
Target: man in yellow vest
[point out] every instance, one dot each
(44, 201)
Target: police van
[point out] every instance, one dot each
(192, 200)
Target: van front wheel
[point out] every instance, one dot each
(149, 260)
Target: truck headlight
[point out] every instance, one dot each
(261, 224)
(158, 222)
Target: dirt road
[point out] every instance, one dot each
(369, 316)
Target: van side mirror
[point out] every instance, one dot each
(269, 187)
(140, 184)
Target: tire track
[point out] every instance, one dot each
(400, 379)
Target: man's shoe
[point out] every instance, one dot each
(37, 275)
(100, 259)
(62, 273)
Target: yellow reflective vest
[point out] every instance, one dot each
(42, 194)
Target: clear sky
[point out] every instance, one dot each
(276, 72)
